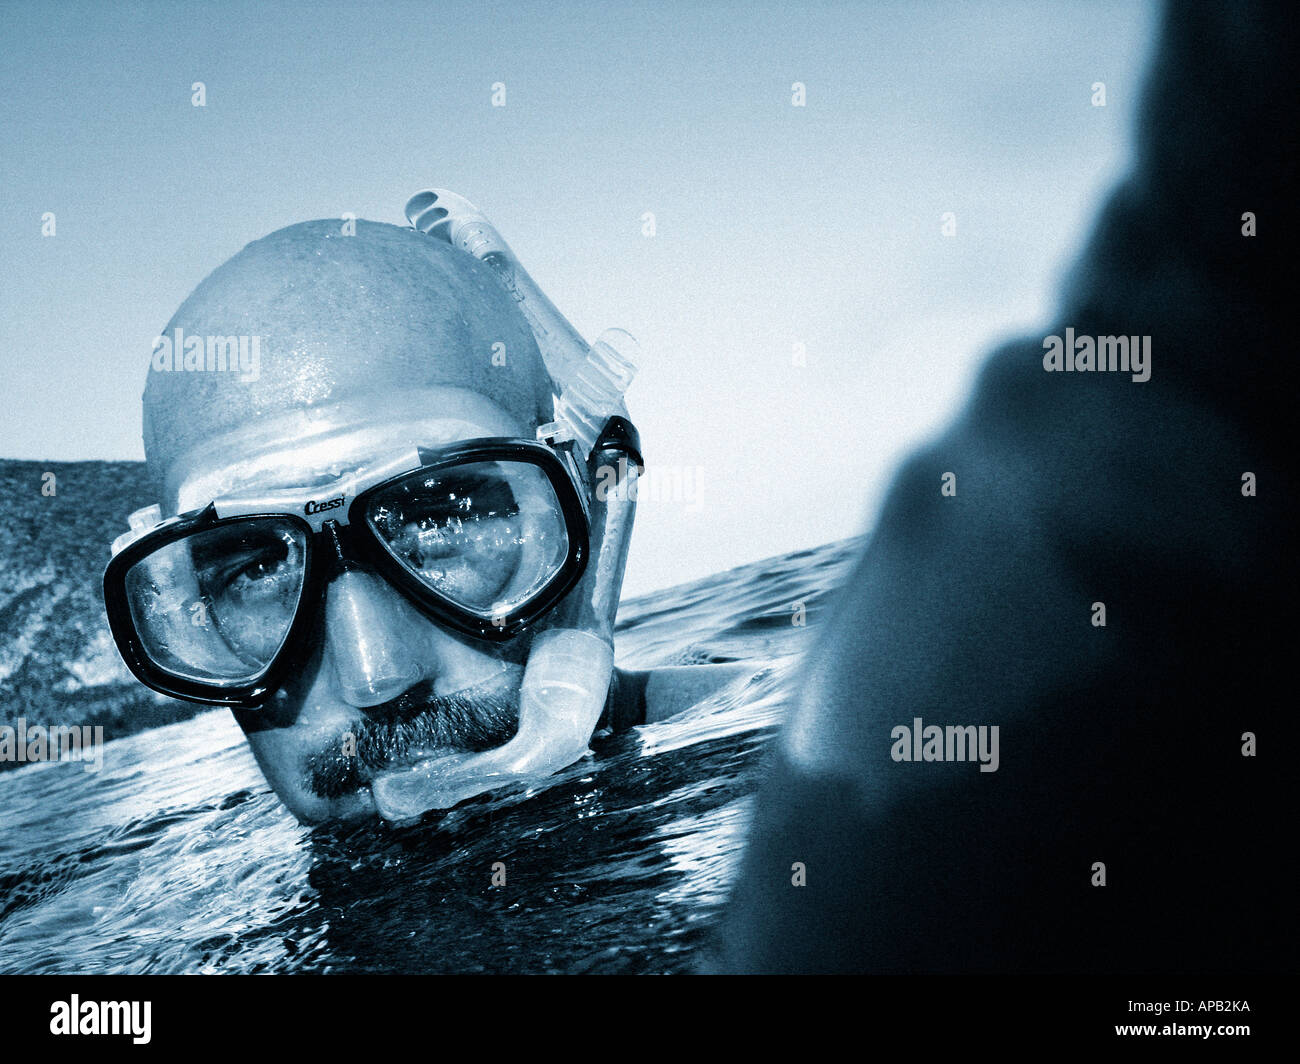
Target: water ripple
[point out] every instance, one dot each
(176, 857)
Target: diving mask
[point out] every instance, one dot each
(485, 536)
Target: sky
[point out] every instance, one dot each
(804, 320)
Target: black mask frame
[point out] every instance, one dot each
(341, 544)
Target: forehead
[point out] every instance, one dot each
(316, 445)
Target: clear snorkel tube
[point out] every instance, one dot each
(571, 662)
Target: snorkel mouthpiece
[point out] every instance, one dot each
(570, 664)
(560, 700)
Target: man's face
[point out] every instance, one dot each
(380, 685)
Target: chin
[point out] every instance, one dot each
(311, 809)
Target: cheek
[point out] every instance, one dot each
(297, 724)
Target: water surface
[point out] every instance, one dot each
(176, 857)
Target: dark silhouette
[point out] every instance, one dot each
(1120, 744)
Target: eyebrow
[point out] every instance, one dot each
(226, 545)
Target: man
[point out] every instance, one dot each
(407, 653)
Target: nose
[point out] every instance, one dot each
(366, 624)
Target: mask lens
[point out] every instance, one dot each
(486, 536)
(217, 605)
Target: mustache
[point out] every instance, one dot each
(475, 719)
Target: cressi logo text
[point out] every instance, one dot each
(315, 507)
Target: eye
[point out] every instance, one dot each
(258, 572)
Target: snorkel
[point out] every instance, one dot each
(571, 661)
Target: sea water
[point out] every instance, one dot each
(176, 857)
